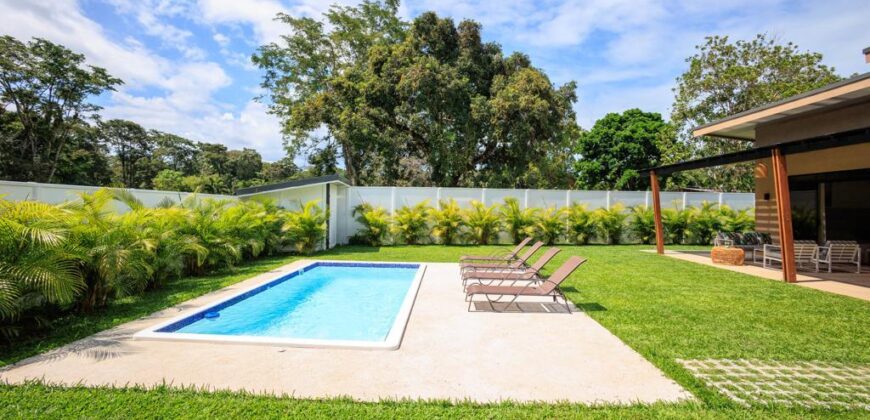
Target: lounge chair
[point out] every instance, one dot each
(489, 276)
(546, 287)
(515, 264)
(510, 256)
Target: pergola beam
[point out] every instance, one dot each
(657, 212)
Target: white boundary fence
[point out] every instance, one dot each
(394, 198)
(58, 193)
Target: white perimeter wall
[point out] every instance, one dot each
(58, 193)
(343, 199)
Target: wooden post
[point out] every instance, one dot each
(657, 212)
(783, 216)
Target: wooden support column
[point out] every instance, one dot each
(783, 216)
(657, 212)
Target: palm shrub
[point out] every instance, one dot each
(410, 223)
(160, 232)
(448, 224)
(676, 224)
(737, 220)
(214, 232)
(610, 223)
(37, 266)
(704, 221)
(549, 225)
(375, 224)
(517, 221)
(306, 228)
(642, 224)
(114, 261)
(580, 224)
(483, 223)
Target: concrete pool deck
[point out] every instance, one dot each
(446, 353)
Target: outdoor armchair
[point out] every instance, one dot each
(838, 252)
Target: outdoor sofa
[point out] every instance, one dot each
(747, 241)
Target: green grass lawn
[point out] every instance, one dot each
(664, 308)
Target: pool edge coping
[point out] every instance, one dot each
(393, 340)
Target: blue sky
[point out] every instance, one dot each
(186, 63)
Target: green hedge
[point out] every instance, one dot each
(481, 224)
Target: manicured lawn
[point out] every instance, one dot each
(664, 308)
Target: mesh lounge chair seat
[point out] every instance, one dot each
(510, 256)
(546, 287)
(500, 276)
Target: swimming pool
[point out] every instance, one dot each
(323, 304)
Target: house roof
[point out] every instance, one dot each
(297, 183)
(742, 125)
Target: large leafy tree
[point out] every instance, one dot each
(426, 101)
(616, 147)
(45, 88)
(725, 78)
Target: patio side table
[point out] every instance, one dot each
(727, 255)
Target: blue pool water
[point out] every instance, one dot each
(328, 301)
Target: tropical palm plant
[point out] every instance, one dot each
(737, 220)
(306, 228)
(36, 265)
(550, 225)
(448, 225)
(676, 224)
(519, 222)
(213, 232)
(375, 224)
(610, 223)
(642, 224)
(580, 224)
(483, 223)
(410, 224)
(704, 221)
(114, 262)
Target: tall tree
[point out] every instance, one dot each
(424, 101)
(47, 88)
(725, 78)
(174, 152)
(616, 146)
(245, 164)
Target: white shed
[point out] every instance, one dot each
(331, 192)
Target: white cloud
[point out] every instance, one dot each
(221, 39)
(63, 22)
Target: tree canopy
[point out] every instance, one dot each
(616, 146)
(51, 132)
(725, 78)
(425, 102)
(45, 92)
